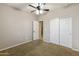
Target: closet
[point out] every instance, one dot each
(54, 31)
(61, 31)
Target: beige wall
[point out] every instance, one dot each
(73, 12)
(15, 27)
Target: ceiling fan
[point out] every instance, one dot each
(39, 8)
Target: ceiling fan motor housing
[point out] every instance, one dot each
(38, 7)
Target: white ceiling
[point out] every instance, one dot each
(25, 7)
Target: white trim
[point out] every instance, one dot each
(45, 40)
(15, 45)
(75, 49)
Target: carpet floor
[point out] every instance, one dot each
(39, 48)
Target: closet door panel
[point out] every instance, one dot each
(66, 32)
(54, 31)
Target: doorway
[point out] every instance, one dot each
(35, 30)
(41, 29)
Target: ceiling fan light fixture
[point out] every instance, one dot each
(41, 6)
(41, 11)
(37, 12)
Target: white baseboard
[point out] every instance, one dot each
(62, 45)
(75, 49)
(46, 41)
(14, 45)
(27, 42)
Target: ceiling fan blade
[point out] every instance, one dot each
(32, 6)
(45, 9)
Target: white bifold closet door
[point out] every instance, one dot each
(61, 31)
(66, 31)
(54, 31)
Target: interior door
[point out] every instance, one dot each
(54, 31)
(35, 30)
(66, 31)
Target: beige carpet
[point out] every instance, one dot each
(39, 48)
